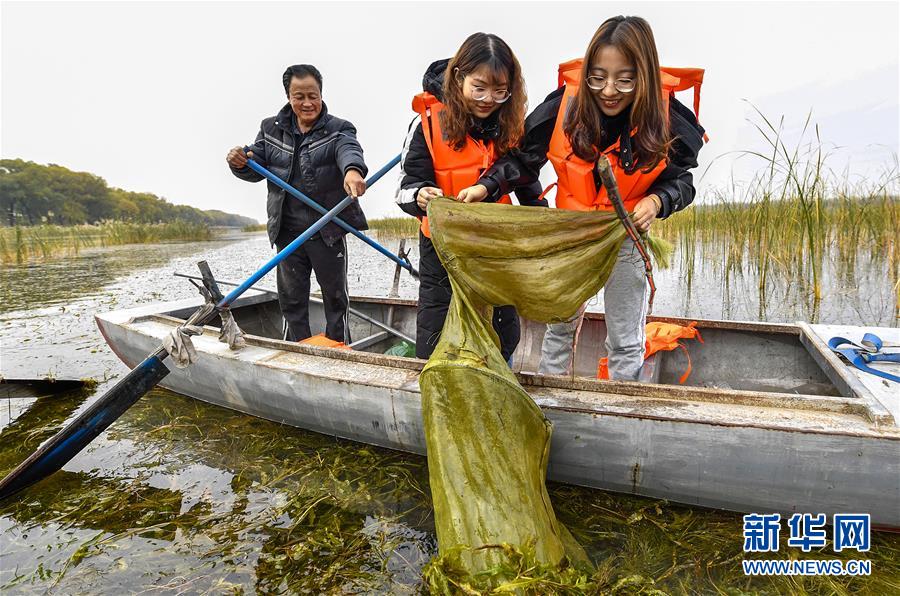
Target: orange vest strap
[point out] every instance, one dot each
(546, 190)
(422, 105)
(684, 78)
(681, 79)
(570, 69)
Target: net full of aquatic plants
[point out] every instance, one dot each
(488, 443)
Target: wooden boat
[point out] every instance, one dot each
(769, 420)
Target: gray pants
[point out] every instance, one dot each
(625, 302)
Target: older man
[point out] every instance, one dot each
(318, 154)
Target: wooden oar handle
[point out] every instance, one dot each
(604, 169)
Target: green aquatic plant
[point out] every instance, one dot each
(182, 496)
(518, 570)
(642, 546)
(661, 250)
(5, 255)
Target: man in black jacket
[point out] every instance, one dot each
(318, 154)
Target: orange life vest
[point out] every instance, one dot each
(576, 189)
(322, 341)
(453, 170)
(661, 336)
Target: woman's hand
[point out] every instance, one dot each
(645, 212)
(237, 159)
(354, 184)
(473, 194)
(425, 194)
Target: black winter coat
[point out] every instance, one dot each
(327, 151)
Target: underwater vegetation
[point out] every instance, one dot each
(180, 496)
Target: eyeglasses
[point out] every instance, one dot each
(481, 94)
(621, 85)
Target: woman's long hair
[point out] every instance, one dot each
(633, 37)
(484, 49)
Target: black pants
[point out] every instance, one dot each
(330, 266)
(434, 301)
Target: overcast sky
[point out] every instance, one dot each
(150, 96)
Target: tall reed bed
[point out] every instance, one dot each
(398, 227)
(794, 217)
(22, 244)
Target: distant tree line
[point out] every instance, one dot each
(32, 194)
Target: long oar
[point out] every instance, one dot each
(262, 171)
(68, 442)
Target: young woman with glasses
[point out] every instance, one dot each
(471, 112)
(616, 101)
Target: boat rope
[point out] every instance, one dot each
(865, 352)
(230, 334)
(178, 343)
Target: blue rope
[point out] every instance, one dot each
(861, 354)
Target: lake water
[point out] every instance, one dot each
(182, 497)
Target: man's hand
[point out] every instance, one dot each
(237, 159)
(354, 184)
(425, 194)
(645, 212)
(473, 194)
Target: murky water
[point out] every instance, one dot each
(182, 497)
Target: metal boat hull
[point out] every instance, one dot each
(730, 449)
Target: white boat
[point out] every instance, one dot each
(770, 420)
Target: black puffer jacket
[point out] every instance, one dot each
(417, 166)
(674, 186)
(327, 151)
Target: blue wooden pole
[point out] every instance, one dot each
(262, 171)
(75, 436)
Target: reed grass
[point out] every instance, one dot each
(794, 217)
(20, 244)
(396, 227)
(781, 233)
(254, 228)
